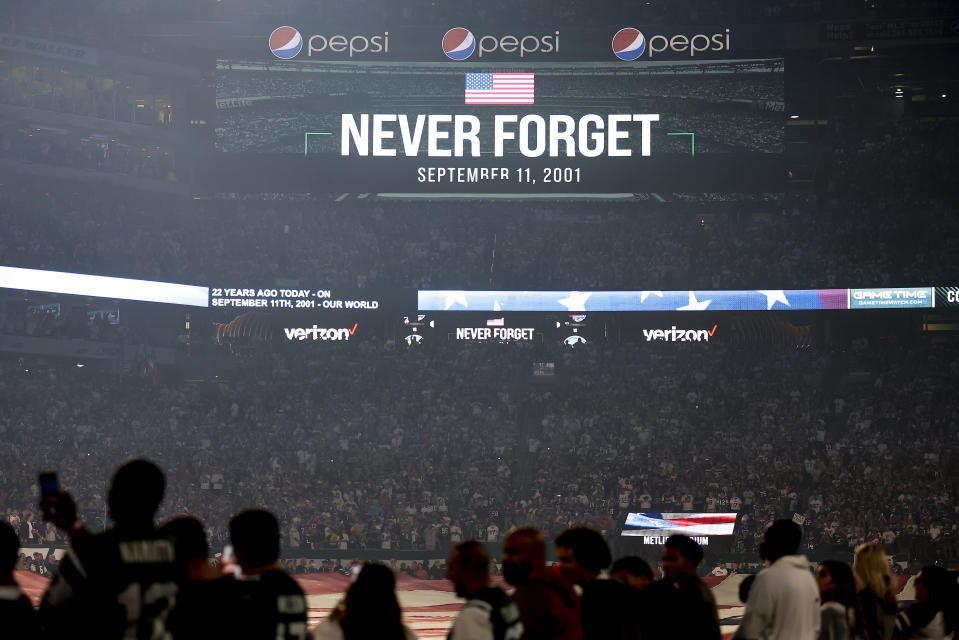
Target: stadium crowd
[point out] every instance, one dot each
(84, 94)
(863, 460)
(245, 80)
(138, 159)
(135, 580)
(483, 451)
(53, 321)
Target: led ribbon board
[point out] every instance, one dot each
(81, 284)
(701, 300)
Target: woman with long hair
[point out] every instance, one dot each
(841, 617)
(369, 610)
(877, 596)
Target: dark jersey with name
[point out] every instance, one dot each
(115, 584)
(269, 605)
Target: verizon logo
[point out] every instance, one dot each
(319, 333)
(679, 335)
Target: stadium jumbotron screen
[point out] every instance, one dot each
(526, 125)
(654, 528)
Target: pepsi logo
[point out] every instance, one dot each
(458, 43)
(629, 43)
(285, 42)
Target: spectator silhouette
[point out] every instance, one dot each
(681, 605)
(840, 616)
(784, 599)
(203, 588)
(489, 613)
(744, 588)
(369, 609)
(935, 613)
(547, 605)
(877, 597)
(123, 582)
(609, 606)
(265, 602)
(16, 612)
(632, 570)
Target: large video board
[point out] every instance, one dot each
(617, 111)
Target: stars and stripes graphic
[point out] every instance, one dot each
(596, 301)
(499, 88)
(690, 524)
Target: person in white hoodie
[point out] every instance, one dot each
(784, 599)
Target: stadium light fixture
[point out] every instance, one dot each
(793, 117)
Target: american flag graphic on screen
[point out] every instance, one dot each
(690, 524)
(499, 88)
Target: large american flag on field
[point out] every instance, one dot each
(690, 524)
(499, 88)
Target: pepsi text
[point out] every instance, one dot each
(526, 44)
(349, 44)
(680, 43)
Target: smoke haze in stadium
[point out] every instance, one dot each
(282, 253)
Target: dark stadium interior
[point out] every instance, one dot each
(165, 142)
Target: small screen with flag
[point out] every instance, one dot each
(690, 524)
(499, 88)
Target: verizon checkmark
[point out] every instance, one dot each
(353, 330)
(713, 330)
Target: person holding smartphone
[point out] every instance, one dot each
(123, 582)
(58, 506)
